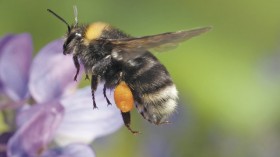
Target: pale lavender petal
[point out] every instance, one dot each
(72, 150)
(52, 73)
(3, 42)
(8, 104)
(15, 63)
(83, 124)
(34, 135)
(25, 113)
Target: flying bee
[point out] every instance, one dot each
(125, 64)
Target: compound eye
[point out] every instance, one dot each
(67, 48)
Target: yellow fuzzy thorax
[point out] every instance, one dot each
(94, 30)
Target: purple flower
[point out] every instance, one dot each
(15, 61)
(59, 116)
(49, 76)
(72, 150)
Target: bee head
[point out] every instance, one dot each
(73, 35)
(72, 39)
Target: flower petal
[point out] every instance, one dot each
(72, 150)
(52, 73)
(83, 124)
(25, 113)
(15, 60)
(32, 138)
(4, 138)
(3, 42)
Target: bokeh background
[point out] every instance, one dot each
(228, 78)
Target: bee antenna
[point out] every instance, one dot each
(75, 14)
(60, 18)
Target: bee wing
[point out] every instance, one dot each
(130, 48)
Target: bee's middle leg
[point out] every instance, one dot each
(104, 93)
(94, 82)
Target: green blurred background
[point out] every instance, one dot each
(228, 78)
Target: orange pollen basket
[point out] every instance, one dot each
(123, 97)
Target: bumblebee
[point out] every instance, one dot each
(124, 63)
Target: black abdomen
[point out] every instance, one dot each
(152, 87)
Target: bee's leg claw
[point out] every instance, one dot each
(126, 120)
(94, 105)
(87, 78)
(132, 131)
(109, 104)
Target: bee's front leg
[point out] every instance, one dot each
(77, 65)
(94, 82)
(126, 120)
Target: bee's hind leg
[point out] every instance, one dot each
(126, 120)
